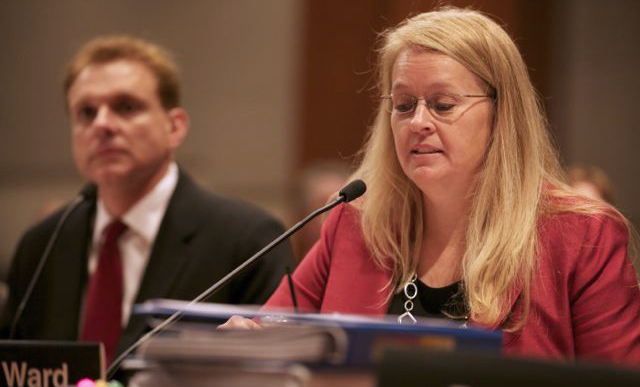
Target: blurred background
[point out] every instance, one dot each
(278, 88)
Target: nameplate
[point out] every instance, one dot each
(25, 363)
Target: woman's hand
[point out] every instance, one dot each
(239, 322)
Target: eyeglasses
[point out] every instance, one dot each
(443, 106)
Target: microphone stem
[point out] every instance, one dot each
(294, 300)
(218, 285)
(43, 260)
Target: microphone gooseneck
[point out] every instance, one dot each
(350, 192)
(88, 192)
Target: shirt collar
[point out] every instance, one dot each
(145, 216)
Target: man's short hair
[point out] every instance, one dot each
(107, 49)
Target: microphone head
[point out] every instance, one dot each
(353, 190)
(89, 191)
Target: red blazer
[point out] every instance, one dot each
(585, 300)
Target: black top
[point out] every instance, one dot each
(432, 302)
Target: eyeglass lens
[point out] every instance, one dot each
(440, 105)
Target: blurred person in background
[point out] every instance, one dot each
(149, 231)
(314, 187)
(592, 182)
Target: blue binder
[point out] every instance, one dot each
(367, 338)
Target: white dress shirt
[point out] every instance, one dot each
(143, 221)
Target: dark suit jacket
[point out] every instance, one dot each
(202, 237)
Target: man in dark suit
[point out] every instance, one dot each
(174, 239)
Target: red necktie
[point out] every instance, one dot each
(103, 305)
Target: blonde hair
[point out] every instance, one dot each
(105, 49)
(511, 189)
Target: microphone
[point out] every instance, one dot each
(87, 192)
(353, 190)
(350, 192)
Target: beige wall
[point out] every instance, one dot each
(239, 62)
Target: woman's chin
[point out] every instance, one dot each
(425, 176)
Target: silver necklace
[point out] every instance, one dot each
(410, 292)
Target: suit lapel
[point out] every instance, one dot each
(169, 256)
(170, 253)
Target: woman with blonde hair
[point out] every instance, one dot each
(466, 209)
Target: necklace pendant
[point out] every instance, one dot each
(409, 316)
(410, 292)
